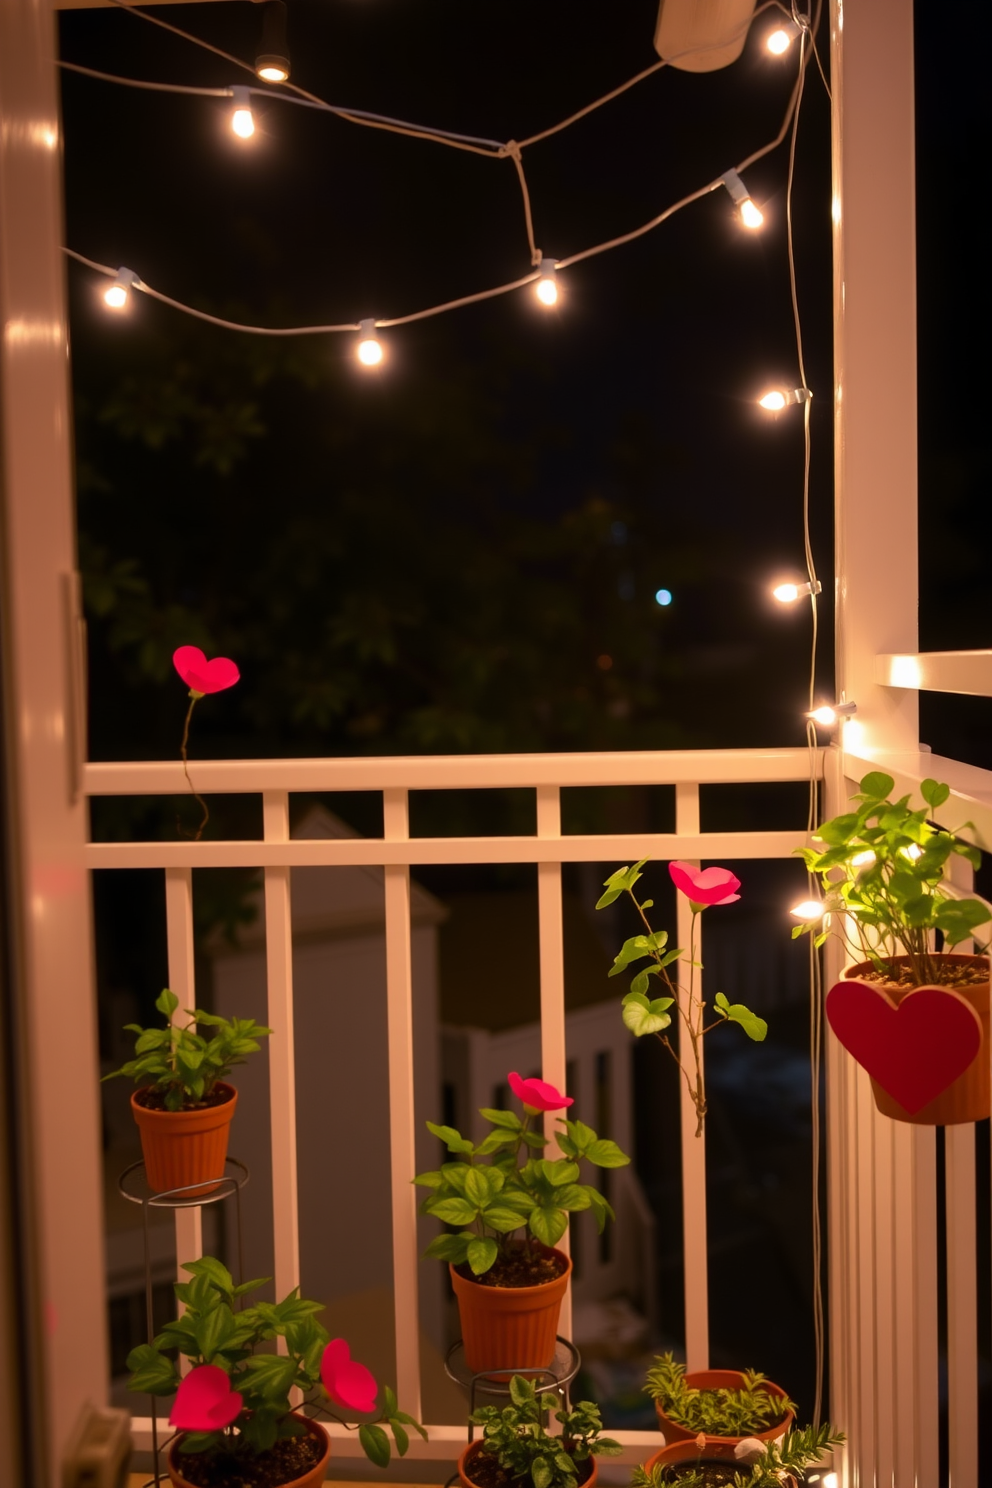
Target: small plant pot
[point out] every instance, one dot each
(722, 1379)
(313, 1478)
(507, 1328)
(688, 1453)
(469, 1454)
(968, 1097)
(184, 1149)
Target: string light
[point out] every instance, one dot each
(778, 398)
(272, 61)
(779, 41)
(663, 597)
(863, 859)
(369, 350)
(546, 287)
(809, 911)
(242, 119)
(789, 593)
(749, 213)
(118, 294)
(828, 715)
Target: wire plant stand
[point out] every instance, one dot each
(189, 1196)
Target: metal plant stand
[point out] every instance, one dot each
(230, 1184)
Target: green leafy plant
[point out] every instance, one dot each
(762, 1465)
(492, 1191)
(716, 1412)
(235, 1401)
(181, 1065)
(881, 869)
(516, 1436)
(644, 1014)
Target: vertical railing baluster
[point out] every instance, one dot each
(402, 1129)
(905, 1298)
(885, 1303)
(552, 972)
(926, 1342)
(863, 1293)
(182, 980)
(694, 1226)
(281, 1053)
(962, 1303)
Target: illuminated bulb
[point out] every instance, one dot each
(863, 859)
(663, 597)
(750, 215)
(780, 40)
(831, 1480)
(242, 120)
(913, 852)
(830, 713)
(546, 287)
(117, 296)
(789, 593)
(778, 398)
(370, 351)
(809, 911)
(272, 61)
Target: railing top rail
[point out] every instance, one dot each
(452, 772)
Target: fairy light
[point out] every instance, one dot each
(749, 213)
(546, 287)
(808, 910)
(913, 852)
(789, 593)
(272, 61)
(242, 119)
(863, 859)
(781, 38)
(828, 715)
(118, 294)
(369, 351)
(778, 398)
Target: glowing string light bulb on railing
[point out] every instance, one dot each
(369, 350)
(118, 294)
(809, 911)
(749, 213)
(272, 61)
(242, 119)
(789, 593)
(778, 398)
(828, 715)
(779, 40)
(546, 287)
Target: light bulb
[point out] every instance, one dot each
(546, 287)
(272, 59)
(789, 593)
(863, 859)
(271, 71)
(242, 119)
(778, 398)
(913, 852)
(778, 42)
(750, 215)
(117, 296)
(370, 351)
(831, 1480)
(810, 910)
(663, 597)
(828, 714)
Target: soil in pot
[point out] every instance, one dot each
(479, 1470)
(521, 1268)
(716, 1465)
(296, 1462)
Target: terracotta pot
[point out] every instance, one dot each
(968, 1097)
(183, 1148)
(469, 1453)
(715, 1450)
(311, 1479)
(507, 1328)
(722, 1379)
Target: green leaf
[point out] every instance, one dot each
(166, 1002)
(215, 1272)
(481, 1254)
(573, 1197)
(548, 1223)
(642, 1016)
(151, 1372)
(454, 1140)
(478, 1189)
(875, 786)
(620, 882)
(271, 1374)
(606, 1154)
(429, 1180)
(934, 793)
(451, 1248)
(401, 1437)
(753, 1026)
(375, 1444)
(503, 1219)
(454, 1211)
(507, 1119)
(559, 1171)
(541, 1473)
(213, 1330)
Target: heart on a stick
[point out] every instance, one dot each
(914, 1049)
(205, 1401)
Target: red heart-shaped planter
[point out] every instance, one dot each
(914, 1049)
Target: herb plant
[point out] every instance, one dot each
(881, 869)
(235, 1401)
(763, 1465)
(644, 1014)
(715, 1412)
(517, 1437)
(181, 1065)
(502, 1186)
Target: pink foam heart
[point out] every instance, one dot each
(915, 1049)
(205, 1401)
(347, 1382)
(201, 675)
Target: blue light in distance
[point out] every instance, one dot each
(663, 596)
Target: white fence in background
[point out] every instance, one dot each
(396, 852)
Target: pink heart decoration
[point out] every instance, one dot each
(205, 1401)
(347, 1382)
(201, 675)
(915, 1049)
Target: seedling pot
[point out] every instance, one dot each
(721, 1379)
(469, 1454)
(183, 1149)
(310, 1479)
(717, 1450)
(507, 1328)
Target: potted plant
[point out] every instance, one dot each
(725, 1403)
(916, 1018)
(644, 1014)
(511, 1206)
(706, 1463)
(183, 1106)
(232, 1411)
(517, 1449)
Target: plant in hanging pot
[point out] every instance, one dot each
(184, 1106)
(750, 1463)
(232, 1410)
(644, 1014)
(725, 1403)
(517, 1451)
(511, 1206)
(915, 1018)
